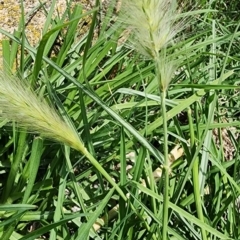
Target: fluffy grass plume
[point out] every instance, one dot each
(20, 104)
(153, 24)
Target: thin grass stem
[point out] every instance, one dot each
(195, 171)
(166, 166)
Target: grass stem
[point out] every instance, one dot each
(166, 166)
(195, 172)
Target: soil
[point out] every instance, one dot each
(35, 17)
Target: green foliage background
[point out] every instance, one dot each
(109, 94)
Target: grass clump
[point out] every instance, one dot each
(149, 127)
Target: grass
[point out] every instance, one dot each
(121, 155)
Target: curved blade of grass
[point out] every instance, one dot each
(156, 98)
(12, 219)
(35, 234)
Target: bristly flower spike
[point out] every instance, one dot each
(153, 24)
(20, 104)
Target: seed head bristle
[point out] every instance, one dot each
(19, 103)
(153, 24)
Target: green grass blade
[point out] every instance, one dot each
(34, 167)
(83, 231)
(35, 234)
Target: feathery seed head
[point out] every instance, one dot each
(153, 24)
(20, 104)
(166, 68)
